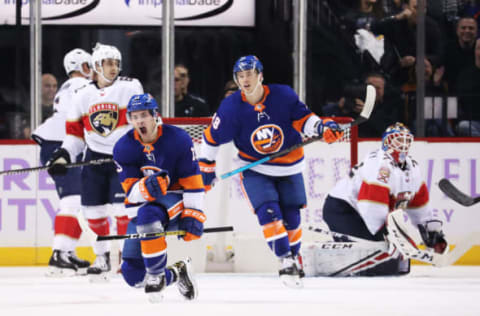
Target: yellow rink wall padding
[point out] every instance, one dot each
(29, 256)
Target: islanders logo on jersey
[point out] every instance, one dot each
(267, 139)
(103, 117)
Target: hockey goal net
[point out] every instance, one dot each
(194, 126)
(226, 205)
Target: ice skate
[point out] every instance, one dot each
(154, 285)
(60, 265)
(290, 273)
(187, 286)
(100, 269)
(80, 264)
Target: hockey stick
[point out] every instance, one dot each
(70, 165)
(455, 194)
(167, 233)
(363, 117)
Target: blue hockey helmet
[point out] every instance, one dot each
(246, 63)
(140, 102)
(396, 141)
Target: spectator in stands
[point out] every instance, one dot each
(387, 110)
(400, 41)
(187, 104)
(49, 89)
(230, 88)
(459, 52)
(468, 87)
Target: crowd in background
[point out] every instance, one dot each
(351, 43)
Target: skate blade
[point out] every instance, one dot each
(82, 271)
(292, 281)
(54, 272)
(155, 297)
(103, 277)
(192, 279)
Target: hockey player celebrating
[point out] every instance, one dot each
(97, 119)
(152, 159)
(358, 205)
(261, 120)
(49, 136)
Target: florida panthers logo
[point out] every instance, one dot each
(103, 118)
(267, 139)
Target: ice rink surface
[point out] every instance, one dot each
(426, 291)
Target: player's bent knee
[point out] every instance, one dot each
(268, 212)
(133, 271)
(96, 212)
(291, 217)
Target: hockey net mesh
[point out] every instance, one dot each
(195, 126)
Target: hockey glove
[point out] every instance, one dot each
(154, 186)
(329, 130)
(191, 221)
(207, 168)
(433, 236)
(57, 162)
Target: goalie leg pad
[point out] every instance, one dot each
(270, 217)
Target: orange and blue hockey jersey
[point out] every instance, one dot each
(261, 129)
(172, 152)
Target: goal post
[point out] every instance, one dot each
(245, 250)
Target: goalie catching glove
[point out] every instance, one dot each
(329, 130)
(191, 221)
(432, 235)
(207, 168)
(154, 186)
(57, 162)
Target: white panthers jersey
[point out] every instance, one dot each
(98, 117)
(375, 186)
(53, 128)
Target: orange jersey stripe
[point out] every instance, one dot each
(153, 247)
(274, 230)
(291, 157)
(421, 197)
(128, 183)
(208, 135)
(194, 182)
(298, 124)
(74, 128)
(374, 192)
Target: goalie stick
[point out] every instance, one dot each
(406, 238)
(455, 194)
(70, 165)
(166, 233)
(363, 117)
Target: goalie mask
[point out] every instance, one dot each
(74, 60)
(142, 102)
(102, 52)
(396, 141)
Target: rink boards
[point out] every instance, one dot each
(28, 204)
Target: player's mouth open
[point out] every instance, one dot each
(143, 130)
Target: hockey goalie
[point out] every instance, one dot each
(367, 209)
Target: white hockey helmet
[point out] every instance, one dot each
(102, 51)
(74, 60)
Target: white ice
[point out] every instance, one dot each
(426, 291)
